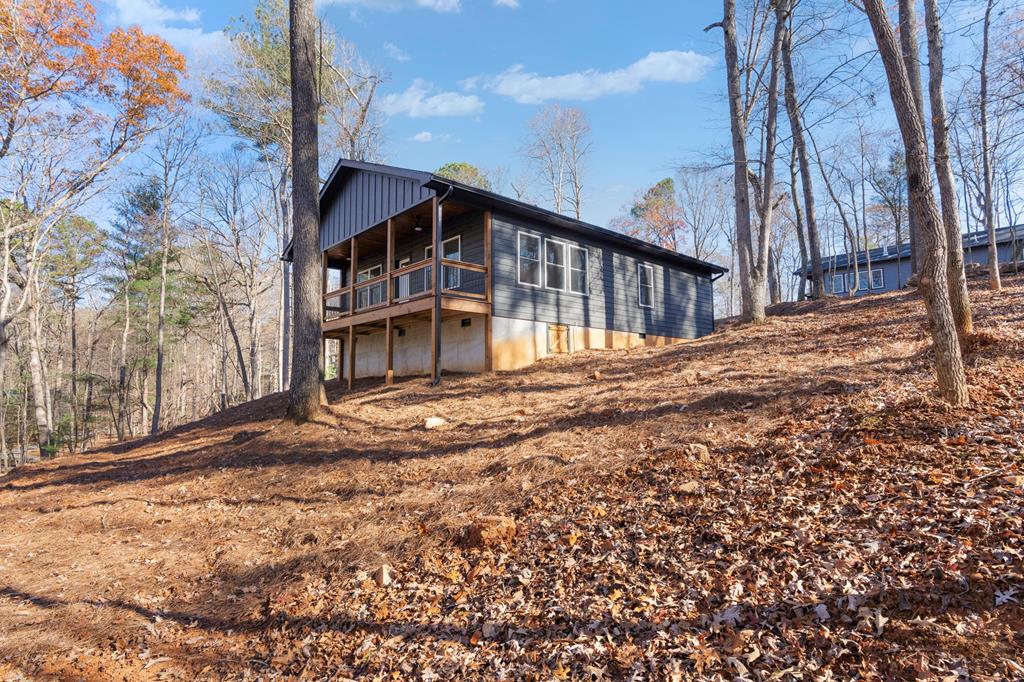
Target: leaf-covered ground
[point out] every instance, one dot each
(839, 522)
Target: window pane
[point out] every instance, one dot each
(556, 253)
(529, 247)
(452, 250)
(645, 276)
(556, 276)
(578, 258)
(578, 281)
(645, 296)
(529, 271)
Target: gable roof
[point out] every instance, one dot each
(890, 252)
(345, 169)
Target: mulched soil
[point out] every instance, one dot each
(839, 522)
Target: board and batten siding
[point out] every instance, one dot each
(367, 199)
(683, 306)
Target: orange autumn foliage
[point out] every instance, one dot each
(54, 51)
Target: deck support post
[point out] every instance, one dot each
(435, 317)
(351, 355)
(353, 260)
(488, 283)
(389, 345)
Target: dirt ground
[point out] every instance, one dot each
(840, 522)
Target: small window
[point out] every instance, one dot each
(529, 259)
(646, 285)
(877, 279)
(578, 269)
(838, 284)
(554, 265)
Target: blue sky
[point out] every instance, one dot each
(465, 76)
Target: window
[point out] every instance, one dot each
(529, 259)
(578, 269)
(838, 284)
(554, 265)
(877, 279)
(451, 249)
(373, 294)
(861, 281)
(646, 284)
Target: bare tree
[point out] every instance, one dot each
(912, 59)
(557, 146)
(949, 365)
(753, 257)
(172, 158)
(800, 149)
(306, 393)
(994, 280)
(959, 299)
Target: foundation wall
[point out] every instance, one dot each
(462, 349)
(519, 343)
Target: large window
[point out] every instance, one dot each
(861, 283)
(645, 274)
(554, 265)
(838, 284)
(877, 279)
(374, 294)
(451, 249)
(578, 270)
(529, 259)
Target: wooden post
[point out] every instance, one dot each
(488, 343)
(488, 321)
(487, 255)
(435, 317)
(351, 355)
(389, 343)
(391, 259)
(354, 259)
(341, 360)
(323, 286)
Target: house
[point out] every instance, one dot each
(516, 282)
(890, 265)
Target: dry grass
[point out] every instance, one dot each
(163, 556)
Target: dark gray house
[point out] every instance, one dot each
(424, 274)
(890, 265)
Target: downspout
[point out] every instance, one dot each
(439, 279)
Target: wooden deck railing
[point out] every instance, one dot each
(458, 278)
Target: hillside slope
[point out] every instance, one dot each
(840, 523)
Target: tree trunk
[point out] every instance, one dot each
(796, 126)
(122, 371)
(949, 365)
(75, 426)
(994, 280)
(798, 217)
(959, 299)
(165, 248)
(306, 391)
(912, 60)
(38, 386)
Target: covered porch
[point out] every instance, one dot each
(411, 276)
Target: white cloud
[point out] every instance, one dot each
(395, 5)
(672, 66)
(427, 136)
(421, 100)
(396, 53)
(513, 4)
(179, 27)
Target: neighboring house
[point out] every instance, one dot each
(890, 266)
(517, 282)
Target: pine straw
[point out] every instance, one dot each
(235, 547)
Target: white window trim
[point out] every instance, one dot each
(428, 250)
(842, 278)
(380, 271)
(871, 278)
(564, 266)
(586, 271)
(640, 284)
(519, 257)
